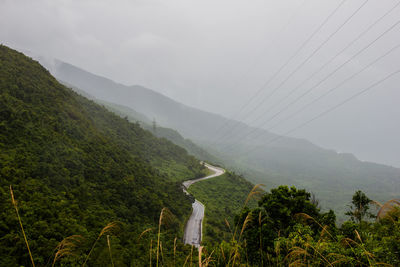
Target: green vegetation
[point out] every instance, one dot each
(161, 132)
(75, 167)
(332, 176)
(80, 185)
(360, 207)
(288, 229)
(223, 198)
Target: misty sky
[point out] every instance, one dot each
(214, 55)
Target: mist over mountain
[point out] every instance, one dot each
(170, 48)
(199, 133)
(332, 176)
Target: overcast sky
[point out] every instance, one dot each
(216, 54)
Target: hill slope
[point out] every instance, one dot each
(333, 177)
(75, 167)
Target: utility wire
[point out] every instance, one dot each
(326, 93)
(327, 63)
(326, 111)
(303, 63)
(243, 76)
(312, 54)
(288, 61)
(329, 75)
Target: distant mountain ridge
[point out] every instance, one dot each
(159, 131)
(332, 176)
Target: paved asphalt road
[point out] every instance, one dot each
(194, 226)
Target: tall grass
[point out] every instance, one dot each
(109, 228)
(14, 202)
(109, 250)
(165, 215)
(67, 247)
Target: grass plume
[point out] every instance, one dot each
(109, 228)
(165, 215)
(67, 247)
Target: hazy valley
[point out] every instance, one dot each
(199, 133)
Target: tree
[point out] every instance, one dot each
(360, 206)
(279, 212)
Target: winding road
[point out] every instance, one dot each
(194, 226)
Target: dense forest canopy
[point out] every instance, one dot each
(74, 167)
(91, 188)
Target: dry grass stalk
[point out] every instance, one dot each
(323, 232)
(200, 256)
(67, 247)
(294, 254)
(109, 250)
(307, 217)
(297, 263)
(235, 256)
(109, 228)
(358, 235)
(298, 252)
(386, 208)
(340, 259)
(162, 253)
(14, 202)
(151, 247)
(144, 232)
(255, 192)
(350, 241)
(175, 250)
(165, 214)
(227, 224)
(207, 260)
(186, 260)
(222, 253)
(246, 221)
(383, 264)
(320, 254)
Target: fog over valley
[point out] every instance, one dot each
(216, 55)
(199, 133)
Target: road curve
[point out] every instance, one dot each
(194, 226)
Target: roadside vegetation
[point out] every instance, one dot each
(279, 232)
(223, 197)
(80, 186)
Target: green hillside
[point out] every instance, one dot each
(159, 131)
(75, 167)
(332, 176)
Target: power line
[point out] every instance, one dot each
(331, 90)
(313, 53)
(329, 61)
(243, 76)
(327, 111)
(288, 61)
(330, 74)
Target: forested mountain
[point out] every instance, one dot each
(75, 167)
(159, 131)
(332, 176)
(150, 125)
